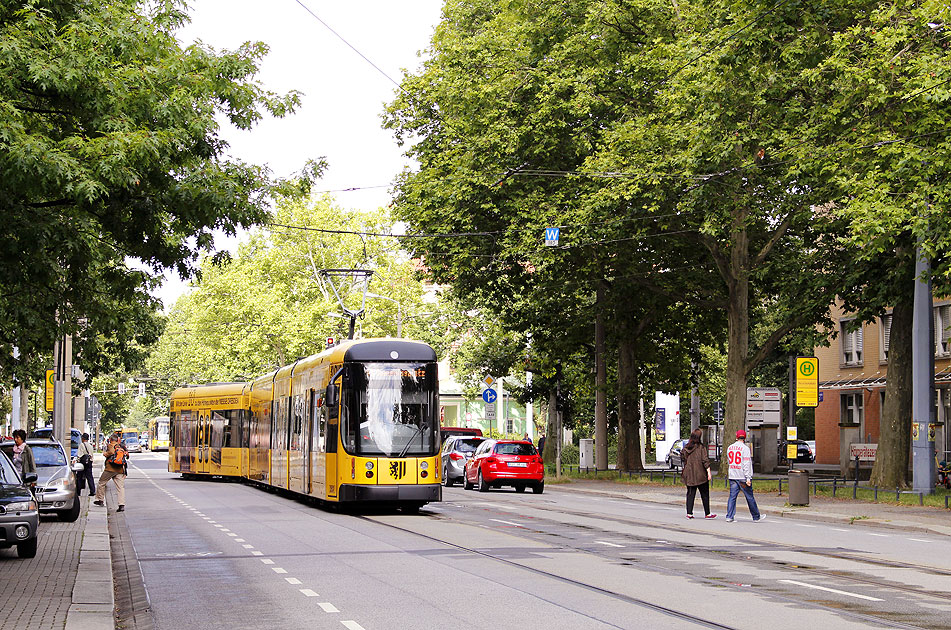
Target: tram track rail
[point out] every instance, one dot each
(700, 622)
(823, 552)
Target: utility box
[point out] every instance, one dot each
(586, 453)
(798, 487)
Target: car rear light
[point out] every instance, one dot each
(455, 457)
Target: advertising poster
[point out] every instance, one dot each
(660, 424)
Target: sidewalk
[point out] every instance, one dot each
(843, 512)
(69, 582)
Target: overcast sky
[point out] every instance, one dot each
(343, 95)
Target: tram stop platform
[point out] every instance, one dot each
(69, 584)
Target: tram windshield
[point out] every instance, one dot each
(391, 409)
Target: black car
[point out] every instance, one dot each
(673, 457)
(19, 516)
(803, 452)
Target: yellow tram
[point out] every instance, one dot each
(158, 434)
(355, 423)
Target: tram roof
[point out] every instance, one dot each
(211, 389)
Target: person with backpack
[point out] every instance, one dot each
(117, 461)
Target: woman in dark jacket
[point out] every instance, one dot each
(696, 473)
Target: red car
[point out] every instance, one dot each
(498, 463)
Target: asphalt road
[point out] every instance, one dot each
(225, 555)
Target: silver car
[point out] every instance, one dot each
(56, 478)
(456, 451)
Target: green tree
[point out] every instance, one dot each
(110, 152)
(269, 305)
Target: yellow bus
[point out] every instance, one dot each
(356, 423)
(158, 433)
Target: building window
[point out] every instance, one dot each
(885, 326)
(942, 330)
(853, 409)
(851, 343)
(510, 426)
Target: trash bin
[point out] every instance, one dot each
(799, 487)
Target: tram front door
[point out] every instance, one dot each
(202, 450)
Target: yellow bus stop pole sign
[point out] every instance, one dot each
(50, 382)
(807, 382)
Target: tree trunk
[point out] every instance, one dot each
(894, 443)
(550, 435)
(600, 386)
(629, 411)
(738, 338)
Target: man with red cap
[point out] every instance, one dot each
(741, 477)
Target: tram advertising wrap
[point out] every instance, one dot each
(355, 423)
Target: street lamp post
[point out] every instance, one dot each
(399, 312)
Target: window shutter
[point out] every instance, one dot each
(945, 324)
(846, 343)
(886, 333)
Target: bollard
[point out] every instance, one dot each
(876, 493)
(780, 486)
(897, 494)
(835, 481)
(921, 498)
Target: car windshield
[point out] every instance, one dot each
(48, 455)
(466, 446)
(132, 441)
(8, 476)
(516, 448)
(391, 409)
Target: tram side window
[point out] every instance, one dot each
(297, 430)
(172, 424)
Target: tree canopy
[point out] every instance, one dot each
(110, 155)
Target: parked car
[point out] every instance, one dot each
(673, 457)
(19, 518)
(498, 463)
(56, 477)
(133, 445)
(75, 437)
(803, 452)
(456, 451)
(447, 432)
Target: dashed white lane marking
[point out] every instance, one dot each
(879, 535)
(225, 529)
(803, 525)
(292, 580)
(833, 590)
(608, 544)
(211, 521)
(239, 539)
(232, 534)
(919, 540)
(836, 529)
(278, 570)
(247, 546)
(505, 522)
(328, 607)
(308, 592)
(267, 561)
(351, 625)
(257, 553)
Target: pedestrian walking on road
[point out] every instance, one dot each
(741, 477)
(117, 458)
(85, 453)
(696, 473)
(23, 455)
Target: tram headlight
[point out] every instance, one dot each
(369, 465)
(423, 465)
